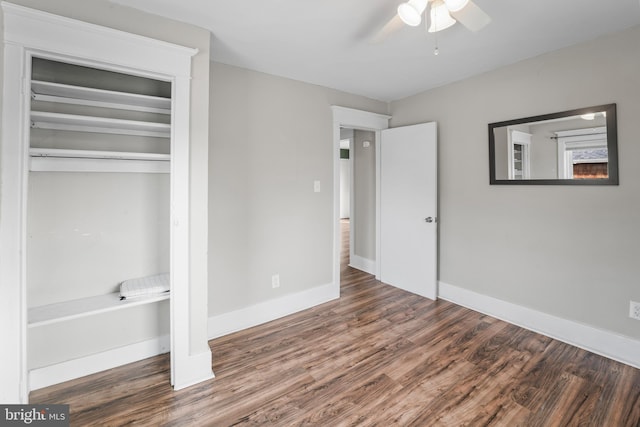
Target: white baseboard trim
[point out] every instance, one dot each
(363, 264)
(76, 368)
(267, 311)
(608, 344)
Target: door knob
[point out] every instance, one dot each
(428, 219)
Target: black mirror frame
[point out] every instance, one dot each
(612, 148)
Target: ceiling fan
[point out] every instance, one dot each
(443, 14)
(439, 15)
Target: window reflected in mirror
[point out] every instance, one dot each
(573, 147)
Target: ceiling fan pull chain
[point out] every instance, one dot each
(435, 50)
(426, 29)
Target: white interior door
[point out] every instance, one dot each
(408, 208)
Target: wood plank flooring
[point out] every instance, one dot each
(378, 356)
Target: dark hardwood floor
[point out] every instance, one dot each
(378, 356)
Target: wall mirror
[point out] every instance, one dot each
(577, 147)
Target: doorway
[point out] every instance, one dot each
(358, 196)
(347, 118)
(408, 231)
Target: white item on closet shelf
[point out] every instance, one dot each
(145, 286)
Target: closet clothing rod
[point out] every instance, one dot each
(93, 154)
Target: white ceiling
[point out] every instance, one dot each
(331, 42)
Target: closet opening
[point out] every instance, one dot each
(76, 112)
(98, 213)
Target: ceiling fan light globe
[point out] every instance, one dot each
(456, 5)
(409, 15)
(439, 18)
(411, 12)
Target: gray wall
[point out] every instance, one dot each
(105, 13)
(271, 138)
(364, 167)
(568, 251)
(544, 157)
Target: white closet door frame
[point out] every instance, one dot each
(29, 33)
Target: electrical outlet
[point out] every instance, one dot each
(275, 281)
(634, 310)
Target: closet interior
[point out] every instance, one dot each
(98, 209)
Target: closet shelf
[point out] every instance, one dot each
(79, 95)
(74, 309)
(93, 154)
(78, 123)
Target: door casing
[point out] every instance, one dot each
(355, 119)
(365, 120)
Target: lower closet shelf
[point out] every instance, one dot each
(52, 313)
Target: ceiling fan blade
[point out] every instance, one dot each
(472, 17)
(393, 25)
